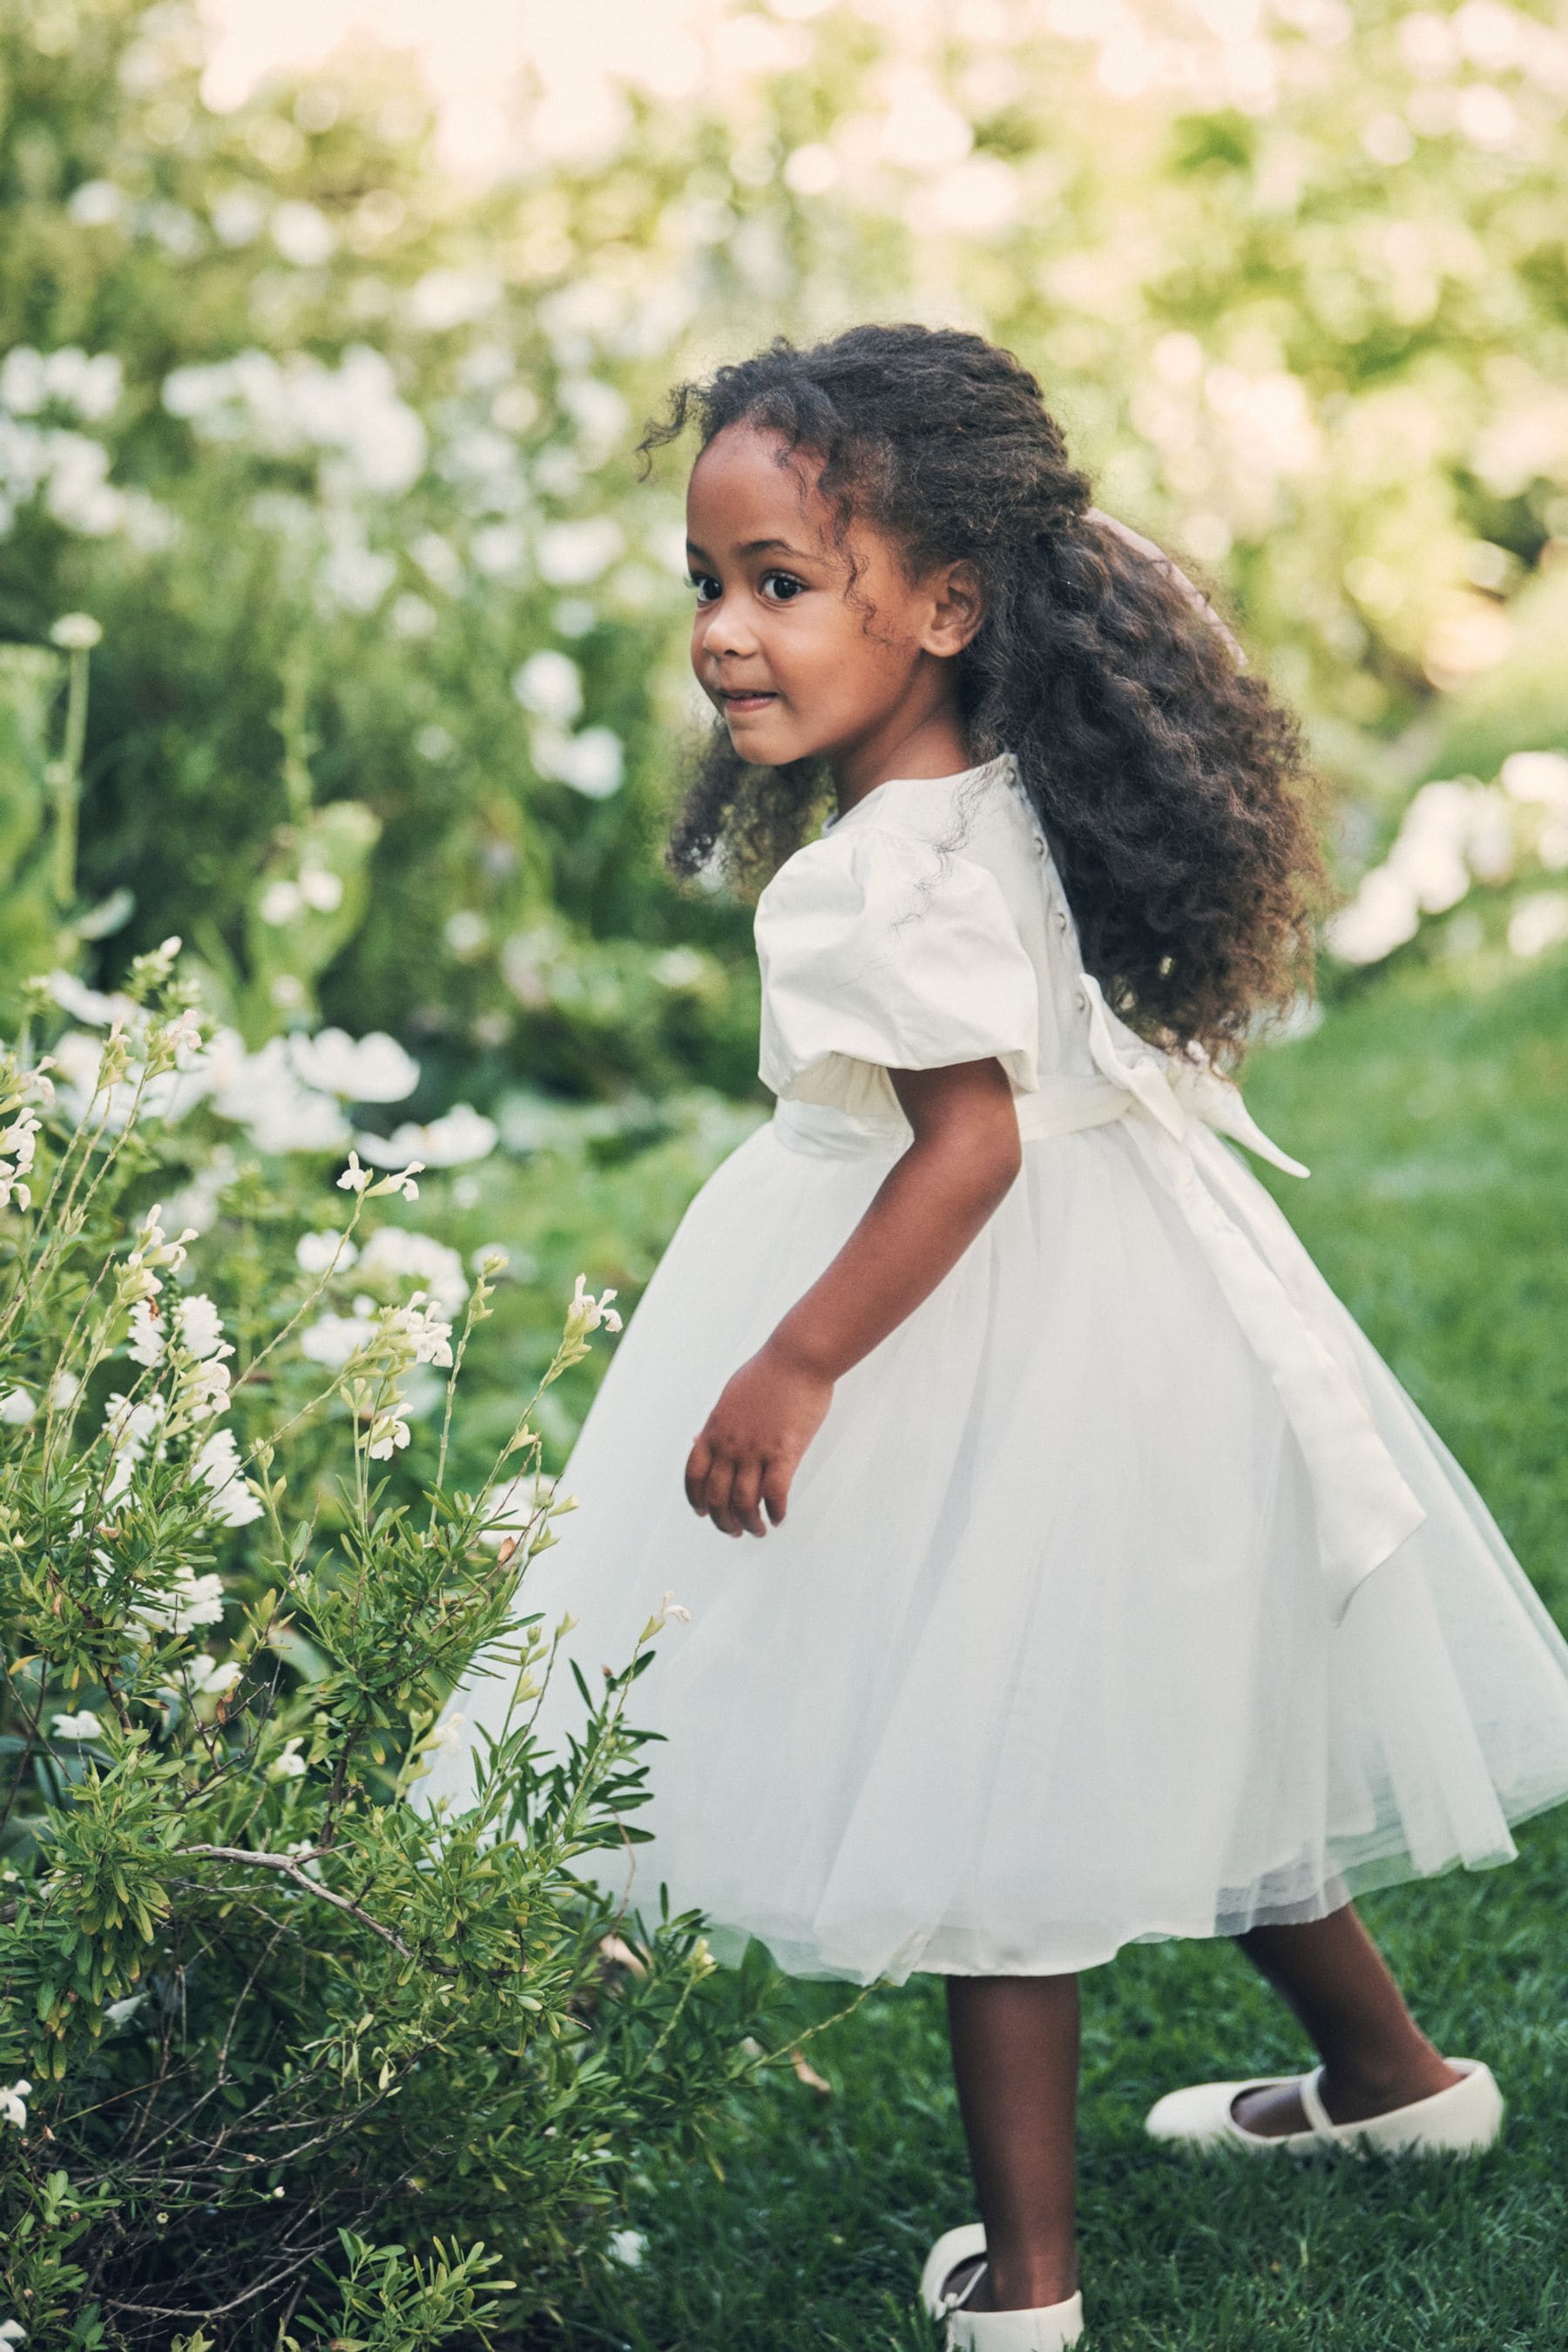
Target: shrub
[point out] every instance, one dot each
(285, 2059)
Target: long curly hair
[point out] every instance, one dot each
(1174, 788)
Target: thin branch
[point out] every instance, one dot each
(292, 1866)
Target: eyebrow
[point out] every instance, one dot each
(757, 547)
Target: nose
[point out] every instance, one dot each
(721, 630)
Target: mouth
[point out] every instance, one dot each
(738, 702)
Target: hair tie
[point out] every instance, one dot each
(1172, 571)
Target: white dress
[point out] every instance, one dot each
(1124, 1593)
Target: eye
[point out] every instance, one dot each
(789, 586)
(707, 587)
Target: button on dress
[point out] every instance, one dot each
(1124, 1593)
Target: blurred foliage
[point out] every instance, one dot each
(339, 455)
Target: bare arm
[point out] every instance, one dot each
(926, 1212)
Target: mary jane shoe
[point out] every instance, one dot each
(1462, 2119)
(1052, 2328)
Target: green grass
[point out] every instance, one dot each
(1434, 1113)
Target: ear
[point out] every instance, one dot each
(957, 610)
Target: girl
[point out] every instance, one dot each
(1112, 1586)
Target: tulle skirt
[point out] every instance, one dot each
(1040, 1662)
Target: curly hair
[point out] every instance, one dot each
(1173, 787)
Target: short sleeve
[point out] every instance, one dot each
(880, 950)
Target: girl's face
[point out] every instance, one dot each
(796, 669)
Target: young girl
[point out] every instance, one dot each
(1113, 1587)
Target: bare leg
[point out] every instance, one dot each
(1014, 2056)
(1374, 2054)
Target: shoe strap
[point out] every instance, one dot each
(1309, 2091)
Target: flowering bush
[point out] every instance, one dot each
(284, 2058)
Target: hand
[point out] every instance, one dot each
(749, 1448)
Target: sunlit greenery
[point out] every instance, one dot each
(343, 673)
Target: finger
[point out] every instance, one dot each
(745, 1496)
(698, 1462)
(717, 1492)
(776, 1490)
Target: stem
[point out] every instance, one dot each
(292, 1866)
(65, 776)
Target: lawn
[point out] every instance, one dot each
(1433, 1110)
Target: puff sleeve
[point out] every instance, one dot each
(880, 950)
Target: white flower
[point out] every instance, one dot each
(75, 633)
(431, 1336)
(205, 1392)
(322, 891)
(85, 1726)
(12, 2332)
(462, 1135)
(549, 683)
(182, 1034)
(393, 1252)
(288, 1764)
(373, 1068)
(403, 1182)
(279, 903)
(448, 1737)
(201, 1327)
(210, 1678)
(63, 1391)
(355, 1179)
(332, 1339)
(146, 1342)
(193, 1600)
(586, 1312)
(17, 1408)
(323, 1253)
(13, 2105)
(128, 1429)
(119, 2012)
(216, 1467)
(670, 1607)
(388, 1435)
(263, 1093)
(628, 2246)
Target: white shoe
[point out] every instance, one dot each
(1052, 2328)
(1466, 2117)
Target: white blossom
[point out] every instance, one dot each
(120, 2013)
(355, 1179)
(332, 1339)
(17, 1408)
(393, 1251)
(205, 1392)
(12, 2332)
(373, 1068)
(146, 1342)
(63, 1391)
(192, 1600)
(448, 1737)
(128, 1429)
(627, 2246)
(459, 1136)
(388, 1435)
(324, 1253)
(85, 1726)
(288, 1764)
(201, 1327)
(431, 1335)
(216, 1467)
(210, 1678)
(75, 633)
(587, 1313)
(13, 2105)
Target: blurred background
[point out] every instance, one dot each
(341, 639)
